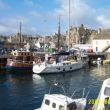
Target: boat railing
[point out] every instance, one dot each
(83, 92)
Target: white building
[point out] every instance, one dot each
(101, 43)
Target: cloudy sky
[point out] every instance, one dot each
(41, 16)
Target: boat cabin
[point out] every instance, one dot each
(22, 56)
(60, 102)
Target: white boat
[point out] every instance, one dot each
(54, 66)
(62, 102)
(103, 100)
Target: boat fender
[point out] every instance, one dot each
(39, 62)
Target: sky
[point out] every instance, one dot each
(41, 16)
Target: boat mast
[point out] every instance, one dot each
(69, 27)
(20, 31)
(59, 33)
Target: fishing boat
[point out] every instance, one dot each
(103, 100)
(20, 60)
(62, 102)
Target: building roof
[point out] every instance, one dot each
(104, 34)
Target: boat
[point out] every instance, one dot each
(55, 63)
(103, 100)
(21, 60)
(62, 102)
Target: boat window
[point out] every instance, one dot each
(58, 68)
(54, 105)
(47, 102)
(72, 106)
(61, 107)
(63, 63)
(63, 69)
(70, 67)
(107, 91)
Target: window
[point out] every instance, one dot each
(96, 48)
(70, 67)
(58, 68)
(63, 69)
(47, 102)
(61, 107)
(54, 105)
(63, 63)
(107, 91)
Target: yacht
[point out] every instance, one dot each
(56, 63)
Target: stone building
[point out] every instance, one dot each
(78, 35)
(62, 40)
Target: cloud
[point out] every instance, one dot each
(3, 5)
(29, 3)
(81, 11)
(11, 25)
(104, 21)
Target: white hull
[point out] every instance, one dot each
(56, 68)
(81, 104)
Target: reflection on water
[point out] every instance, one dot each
(26, 91)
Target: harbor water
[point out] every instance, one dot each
(25, 90)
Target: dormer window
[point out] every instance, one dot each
(47, 102)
